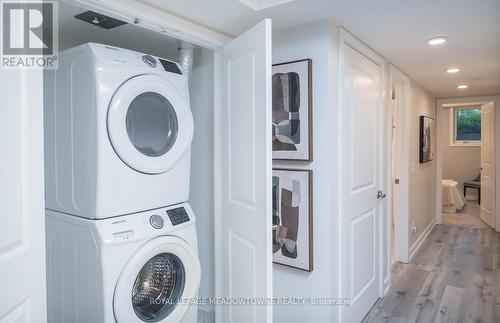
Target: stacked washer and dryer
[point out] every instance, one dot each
(121, 239)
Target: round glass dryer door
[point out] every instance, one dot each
(158, 283)
(150, 125)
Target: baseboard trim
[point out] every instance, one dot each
(414, 248)
(387, 284)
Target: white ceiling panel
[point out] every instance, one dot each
(396, 29)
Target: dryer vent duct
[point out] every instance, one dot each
(185, 52)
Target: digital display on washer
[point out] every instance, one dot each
(170, 66)
(178, 215)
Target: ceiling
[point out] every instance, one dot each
(73, 32)
(396, 29)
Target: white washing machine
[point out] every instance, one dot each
(118, 131)
(142, 267)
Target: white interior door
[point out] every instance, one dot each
(22, 216)
(243, 226)
(362, 129)
(487, 165)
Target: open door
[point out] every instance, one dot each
(243, 173)
(22, 214)
(487, 165)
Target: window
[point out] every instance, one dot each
(465, 127)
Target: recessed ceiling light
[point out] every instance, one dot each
(462, 86)
(436, 40)
(452, 70)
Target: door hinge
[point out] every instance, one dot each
(396, 181)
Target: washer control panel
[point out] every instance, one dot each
(147, 224)
(156, 221)
(178, 215)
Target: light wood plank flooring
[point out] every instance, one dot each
(455, 277)
(468, 216)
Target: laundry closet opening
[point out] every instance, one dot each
(137, 120)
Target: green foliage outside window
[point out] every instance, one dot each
(468, 123)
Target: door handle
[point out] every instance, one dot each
(381, 195)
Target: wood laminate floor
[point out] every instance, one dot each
(455, 277)
(468, 216)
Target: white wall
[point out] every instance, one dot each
(422, 191)
(460, 163)
(317, 41)
(201, 188)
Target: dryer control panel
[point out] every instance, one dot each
(170, 66)
(167, 65)
(125, 56)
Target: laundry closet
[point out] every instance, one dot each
(229, 173)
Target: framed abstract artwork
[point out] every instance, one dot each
(427, 139)
(292, 110)
(292, 218)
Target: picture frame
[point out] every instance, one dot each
(292, 137)
(293, 218)
(427, 139)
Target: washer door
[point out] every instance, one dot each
(149, 124)
(158, 282)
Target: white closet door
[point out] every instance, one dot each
(362, 126)
(22, 216)
(243, 130)
(487, 165)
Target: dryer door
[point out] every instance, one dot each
(158, 282)
(149, 124)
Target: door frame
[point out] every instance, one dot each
(402, 244)
(347, 39)
(442, 139)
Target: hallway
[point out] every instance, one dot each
(455, 277)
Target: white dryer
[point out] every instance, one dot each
(141, 267)
(118, 131)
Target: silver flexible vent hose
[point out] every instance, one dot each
(185, 58)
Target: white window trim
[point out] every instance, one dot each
(452, 135)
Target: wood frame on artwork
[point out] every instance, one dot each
(421, 139)
(310, 239)
(309, 109)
